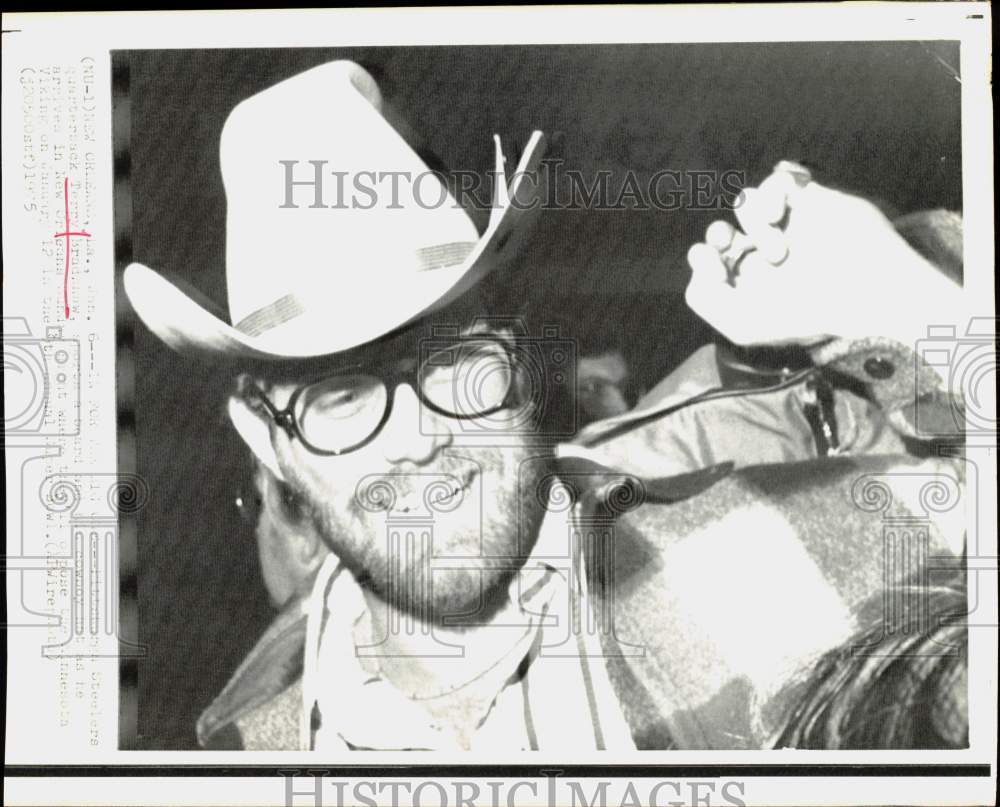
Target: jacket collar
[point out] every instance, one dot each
(274, 664)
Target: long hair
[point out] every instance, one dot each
(898, 688)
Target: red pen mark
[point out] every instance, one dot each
(68, 235)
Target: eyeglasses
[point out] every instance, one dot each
(473, 377)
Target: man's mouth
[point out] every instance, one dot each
(440, 495)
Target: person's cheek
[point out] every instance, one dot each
(613, 401)
(339, 483)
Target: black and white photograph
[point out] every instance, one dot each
(511, 406)
(540, 398)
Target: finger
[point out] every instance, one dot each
(773, 196)
(754, 271)
(710, 295)
(707, 265)
(751, 312)
(719, 235)
(801, 175)
(725, 309)
(754, 216)
(741, 245)
(709, 299)
(735, 314)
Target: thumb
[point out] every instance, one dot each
(791, 178)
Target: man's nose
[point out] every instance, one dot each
(412, 434)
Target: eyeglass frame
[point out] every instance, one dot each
(285, 418)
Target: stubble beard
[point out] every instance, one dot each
(492, 545)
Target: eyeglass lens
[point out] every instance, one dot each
(465, 379)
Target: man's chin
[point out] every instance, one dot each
(453, 568)
(454, 598)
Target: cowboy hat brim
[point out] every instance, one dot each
(187, 323)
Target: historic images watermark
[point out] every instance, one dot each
(43, 396)
(535, 372)
(73, 546)
(317, 788)
(914, 508)
(579, 508)
(966, 360)
(313, 184)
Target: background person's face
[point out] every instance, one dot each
(466, 512)
(600, 380)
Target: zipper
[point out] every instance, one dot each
(820, 415)
(709, 395)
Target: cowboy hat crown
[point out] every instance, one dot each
(336, 230)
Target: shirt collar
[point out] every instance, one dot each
(347, 695)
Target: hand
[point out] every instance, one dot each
(809, 263)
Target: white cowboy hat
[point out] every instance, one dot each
(305, 280)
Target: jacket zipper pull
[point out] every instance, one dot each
(820, 414)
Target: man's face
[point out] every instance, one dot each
(434, 514)
(600, 385)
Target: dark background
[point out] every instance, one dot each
(879, 118)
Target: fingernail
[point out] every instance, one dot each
(719, 235)
(799, 173)
(776, 252)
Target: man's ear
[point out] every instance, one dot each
(255, 433)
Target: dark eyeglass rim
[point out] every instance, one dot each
(286, 420)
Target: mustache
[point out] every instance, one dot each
(429, 491)
(438, 487)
